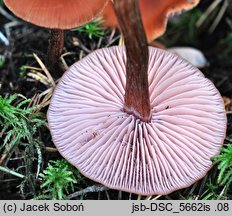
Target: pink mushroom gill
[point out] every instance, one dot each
(171, 151)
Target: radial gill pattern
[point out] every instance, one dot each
(172, 151)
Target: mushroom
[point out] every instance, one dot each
(137, 119)
(56, 15)
(154, 14)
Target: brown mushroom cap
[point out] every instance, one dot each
(172, 151)
(154, 14)
(60, 14)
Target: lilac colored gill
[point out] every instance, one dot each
(172, 151)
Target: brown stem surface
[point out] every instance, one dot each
(56, 45)
(137, 99)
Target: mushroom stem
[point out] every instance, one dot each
(56, 45)
(137, 99)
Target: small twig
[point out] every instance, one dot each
(222, 192)
(8, 180)
(148, 197)
(45, 70)
(203, 182)
(4, 155)
(4, 39)
(33, 68)
(34, 100)
(120, 195)
(121, 41)
(7, 15)
(50, 149)
(10, 25)
(156, 197)
(6, 170)
(81, 55)
(208, 12)
(63, 59)
(107, 195)
(99, 42)
(113, 40)
(91, 189)
(219, 16)
(37, 76)
(193, 188)
(82, 46)
(112, 34)
(47, 94)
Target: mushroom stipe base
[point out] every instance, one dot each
(109, 146)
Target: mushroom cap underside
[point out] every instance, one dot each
(57, 14)
(172, 151)
(154, 14)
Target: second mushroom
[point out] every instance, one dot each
(57, 16)
(137, 119)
